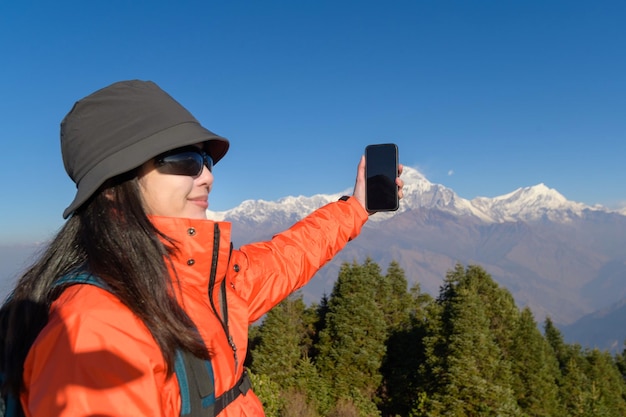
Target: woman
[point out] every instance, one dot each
(171, 280)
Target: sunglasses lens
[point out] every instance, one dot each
(208, 162)
(182, 163)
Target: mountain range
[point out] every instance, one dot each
(563, 259)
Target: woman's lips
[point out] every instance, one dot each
(202, 202)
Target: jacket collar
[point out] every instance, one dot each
(195, 242)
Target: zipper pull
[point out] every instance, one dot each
(234, 348)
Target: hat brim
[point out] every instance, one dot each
(138, 153)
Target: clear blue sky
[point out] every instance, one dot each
(481, 96)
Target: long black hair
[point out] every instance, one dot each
(112, 237)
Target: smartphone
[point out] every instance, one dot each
(381, 171)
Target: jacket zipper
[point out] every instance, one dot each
(223, 318)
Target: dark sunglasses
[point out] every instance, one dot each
(184, 161)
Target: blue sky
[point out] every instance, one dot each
(481, 96)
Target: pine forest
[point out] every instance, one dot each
(375, 347)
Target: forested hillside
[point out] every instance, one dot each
(374, 347)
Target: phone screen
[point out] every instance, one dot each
(381, 170)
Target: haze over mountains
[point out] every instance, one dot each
(563, 259)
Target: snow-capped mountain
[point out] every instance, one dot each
(527, 204)
(260, 211)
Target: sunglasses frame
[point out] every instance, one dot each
(180, 156)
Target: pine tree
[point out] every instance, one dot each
(310, 322)
(535, 370)
(269, 394)
(351, 346)
(405, 352)
(502, 313)
(318, 321)
(316, 389)
(606, 386)
(473, 377)
(280, 337)
(393, 297)
(591, 383)
(573, 390)
(555, 340)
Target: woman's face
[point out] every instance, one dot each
(174, 195)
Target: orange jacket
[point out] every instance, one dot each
(94, 357)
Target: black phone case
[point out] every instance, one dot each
(381, 171)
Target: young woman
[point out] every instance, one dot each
(170, 280)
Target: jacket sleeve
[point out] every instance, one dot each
(272, 270)
(99, 361)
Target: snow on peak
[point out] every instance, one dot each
(419, 192)
(414, 181)
(258, 211)
(527, 203)
(534, 194)
(530, 203)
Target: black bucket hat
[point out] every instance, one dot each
(119, 127)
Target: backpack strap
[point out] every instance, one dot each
(82, 278)
(241, 387)
(195, 376)
(194, 385)
(9, 405)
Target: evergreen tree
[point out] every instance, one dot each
(591, 384)
(500, 308)
(319, 323)
(405, 355)
(555, 340)
(268, 393)
(535, 370)
(573, 392)
(310, 323)
(316, 389)
(279, 342)
(473, 377)
(393, 297)
(351, 346)
(606, 385)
